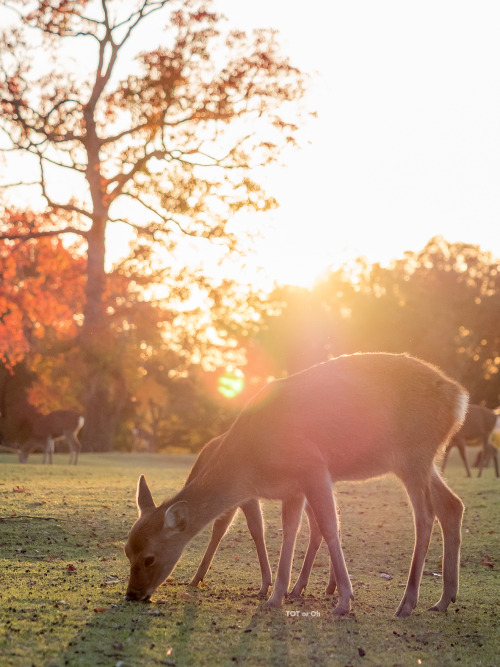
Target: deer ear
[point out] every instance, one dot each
(145, 502)
(176, 517)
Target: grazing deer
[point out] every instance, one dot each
(253, 515)
(45, 430)
(350, 418)
(479, 424)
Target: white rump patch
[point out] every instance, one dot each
(461, 407)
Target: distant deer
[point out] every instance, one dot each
(144, 439)
(350, 418)
(479, 424)
(253, 515)
(45, 430)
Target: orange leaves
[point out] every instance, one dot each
(42, 288)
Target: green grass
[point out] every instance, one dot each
(52, 615)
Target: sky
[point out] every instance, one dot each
(406, 143)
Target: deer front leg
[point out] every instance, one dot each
(253, 514)
(291, 512)
(218, 531)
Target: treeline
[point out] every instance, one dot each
(181, 373)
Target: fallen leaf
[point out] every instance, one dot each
(71, 568)
(100, 610)
(487, 563)
(185, 596)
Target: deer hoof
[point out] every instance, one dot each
(296, 592)
(263, 591)
(341, 611)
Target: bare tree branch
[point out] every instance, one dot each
(63, 207)
(25, 236)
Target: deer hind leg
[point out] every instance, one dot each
(423, 514)
(75, 447)
(291, 512)
(449, 510)
(218, 531)
(321, 500)
(253, 514)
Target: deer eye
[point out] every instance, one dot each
(148, 561)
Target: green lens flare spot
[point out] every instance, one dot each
(231, 384)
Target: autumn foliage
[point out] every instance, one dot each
(41, 292)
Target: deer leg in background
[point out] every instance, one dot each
(74, 448)
(218, 531)
(253, 514)
(291, 512)
(444, 460)
(494, 454)
(461, 446)
(48, 452)
(489, 452)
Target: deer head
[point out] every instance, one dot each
(155, 542)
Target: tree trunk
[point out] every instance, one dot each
(98, 350)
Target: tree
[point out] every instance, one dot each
(165, 151)
(440, 304)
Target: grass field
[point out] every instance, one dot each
(63, 574)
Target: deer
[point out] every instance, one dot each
(350, 418)
(479, 425)
(253, 514)
(46, 430)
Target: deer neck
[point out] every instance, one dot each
(212, 493)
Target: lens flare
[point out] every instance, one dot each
(231, 384)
